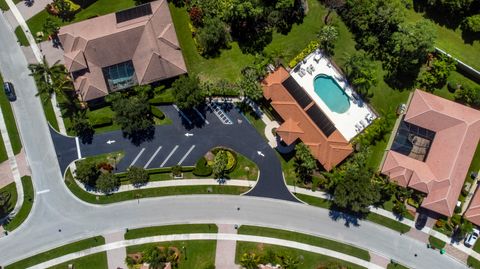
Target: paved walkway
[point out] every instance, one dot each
(226, 249)
(219, 236)
(116, 257)
(12, 161)
(6, 175)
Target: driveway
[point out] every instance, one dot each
(184, 141)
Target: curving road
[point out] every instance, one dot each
(58, 209)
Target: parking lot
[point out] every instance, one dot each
(183, 142)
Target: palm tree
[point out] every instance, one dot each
(250, 260)
(157, 257)
(50, 79)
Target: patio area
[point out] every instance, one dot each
(357, 115)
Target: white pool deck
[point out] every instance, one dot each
(349, 123)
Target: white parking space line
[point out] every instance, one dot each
(79, 153)
(181, 113)
(169, 155)
(44, 191)
(138, 156)
(153, 156)
(186, 154)
(201, 116)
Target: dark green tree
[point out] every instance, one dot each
(51, 26)
(212, 37)
(188, 92)
(249, 85)
(82, 127)
(409, 47)
(468, 95)
(158, 257)
(332, 5)
(64, 9)
(87, 172)
(132, 114)
(435, 77)
(356, 191)
(137, 176)
(305, 164)
(472, 24)
(327, 36)
(107, 183)
(220, 163)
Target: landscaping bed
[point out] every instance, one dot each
(436, 243)
(58, 252)
(307, 239)
(170, 229)
(9, 193)
(306, 259)
(191, 254)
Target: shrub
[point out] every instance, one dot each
(161, 100)
(312, 46)
(412, 202)
(157, 113)
(196, 16)
(452, 86)
(472, 24)
(177, 170)
(440, 223)
(100, 121)
(107, 183)
(202, 169)
(137, 176)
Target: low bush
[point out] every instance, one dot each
(311, 47)
(100, 121)
(452, 86)
(202, 169)
(161, 101)
(157, 113)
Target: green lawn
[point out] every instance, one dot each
(50, 114)
(308, 259)
(98, 8)
(396, 266)
(145, 193)
(473, 263)
(57, 252)
(10, 121)
(93, 261)
(435, 242)
(170, 229)
(451, 41)
(28, 197)
(10, 190)
(245, 169)
(307, 239)
(198, 254)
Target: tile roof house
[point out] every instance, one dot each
(304, 120)
(123, 49)
(433, 149)
(473, 211)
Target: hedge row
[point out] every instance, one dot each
(100, 121)
(311, 47)
(121, 176)
(157, 113)
(202, 169)
(161, 100)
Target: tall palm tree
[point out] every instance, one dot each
(49, 79)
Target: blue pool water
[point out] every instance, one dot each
(331, 94)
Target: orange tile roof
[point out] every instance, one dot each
(441, 176)
(150, 42)
(329, 151)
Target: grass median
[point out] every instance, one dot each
(170, 229)
(148, 193)
(58, 252)
(97, 260)
(376, 218)
(306, 239)
(28, 198)
(10, 121)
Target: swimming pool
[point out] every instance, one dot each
(331, 94)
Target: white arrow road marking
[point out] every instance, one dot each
(44, 191)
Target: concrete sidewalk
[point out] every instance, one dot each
(116, 257)
(226, 249)
(230, 237)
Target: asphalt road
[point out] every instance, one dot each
(170, 146)
(56, 208)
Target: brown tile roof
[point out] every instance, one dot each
(473, 211)
(150, 42)
(329, 151)
(441, 176)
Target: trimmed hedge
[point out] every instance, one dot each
(157, 113)
(100, 121)
(311, 47)
(232, 158)
(202, 169)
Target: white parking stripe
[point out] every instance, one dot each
(186, 154)
(153, 156)
(138, 156)
(169, 155)
(79, 153)
(181, 113)
(201, 116)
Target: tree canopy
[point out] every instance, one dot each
(87, 172)
(361, 72)
(355, 191)
(137, 176)
(188, 92)
(132, 114)
(327, 36)
(305, 164)
(220, 163)
(107, 183)
(212, 37)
